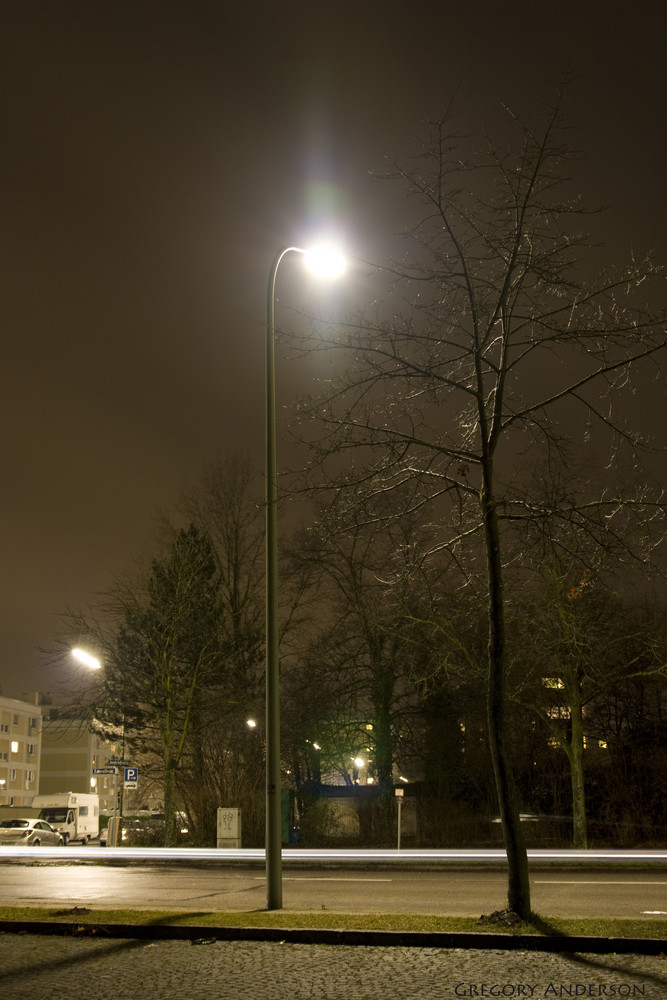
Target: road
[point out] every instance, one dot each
(613, 892)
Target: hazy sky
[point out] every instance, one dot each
(156, 154)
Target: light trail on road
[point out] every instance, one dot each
(346, 855)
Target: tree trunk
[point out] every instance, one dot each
(170, 830)
(383, 692)
(518, 886)
(579, 831)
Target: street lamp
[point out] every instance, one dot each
(325, 262)
(88, 661)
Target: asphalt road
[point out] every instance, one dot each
(445, 891)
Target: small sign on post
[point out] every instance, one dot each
(229, 827)
(398, 792)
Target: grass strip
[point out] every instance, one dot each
(594, 927)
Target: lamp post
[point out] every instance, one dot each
(94, 664)
(324, 262)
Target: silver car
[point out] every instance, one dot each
(29, 833)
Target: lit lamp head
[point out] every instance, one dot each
(325, 261)
(88, 661)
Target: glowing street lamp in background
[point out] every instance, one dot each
(92, 663)
(88, 661)
(329, 263)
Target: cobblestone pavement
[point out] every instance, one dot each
(80, 969)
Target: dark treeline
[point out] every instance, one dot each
(383, 660)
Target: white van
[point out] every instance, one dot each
(75, 815)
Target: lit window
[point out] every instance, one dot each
(14, 746)
(559, 712)
(553, 682)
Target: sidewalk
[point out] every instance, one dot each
(81, 968)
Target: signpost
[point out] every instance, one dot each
(398, 792)
(130, 780)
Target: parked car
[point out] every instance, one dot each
(145, 830)
(29, 833)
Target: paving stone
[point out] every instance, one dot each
(84, 969)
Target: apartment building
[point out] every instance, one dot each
(20, 751)
(71, 753)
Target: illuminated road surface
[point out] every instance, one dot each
(609, 891)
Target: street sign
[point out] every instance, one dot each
(131, 777)
(104, 770)
(118, 762)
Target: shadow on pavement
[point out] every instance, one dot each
(544, 927)
(96, 932)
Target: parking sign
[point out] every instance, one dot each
(131, 777)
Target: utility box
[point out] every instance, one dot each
(229, 827)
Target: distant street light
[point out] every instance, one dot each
(88, 661)
(112, 832)
(325, 262)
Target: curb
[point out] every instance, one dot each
(282, 935)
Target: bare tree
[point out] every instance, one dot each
(498, 333)
(368, 584)
(223, 503)
(223, 765)
(571, 614)
(580, 642)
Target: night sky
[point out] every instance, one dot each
(155, 156)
